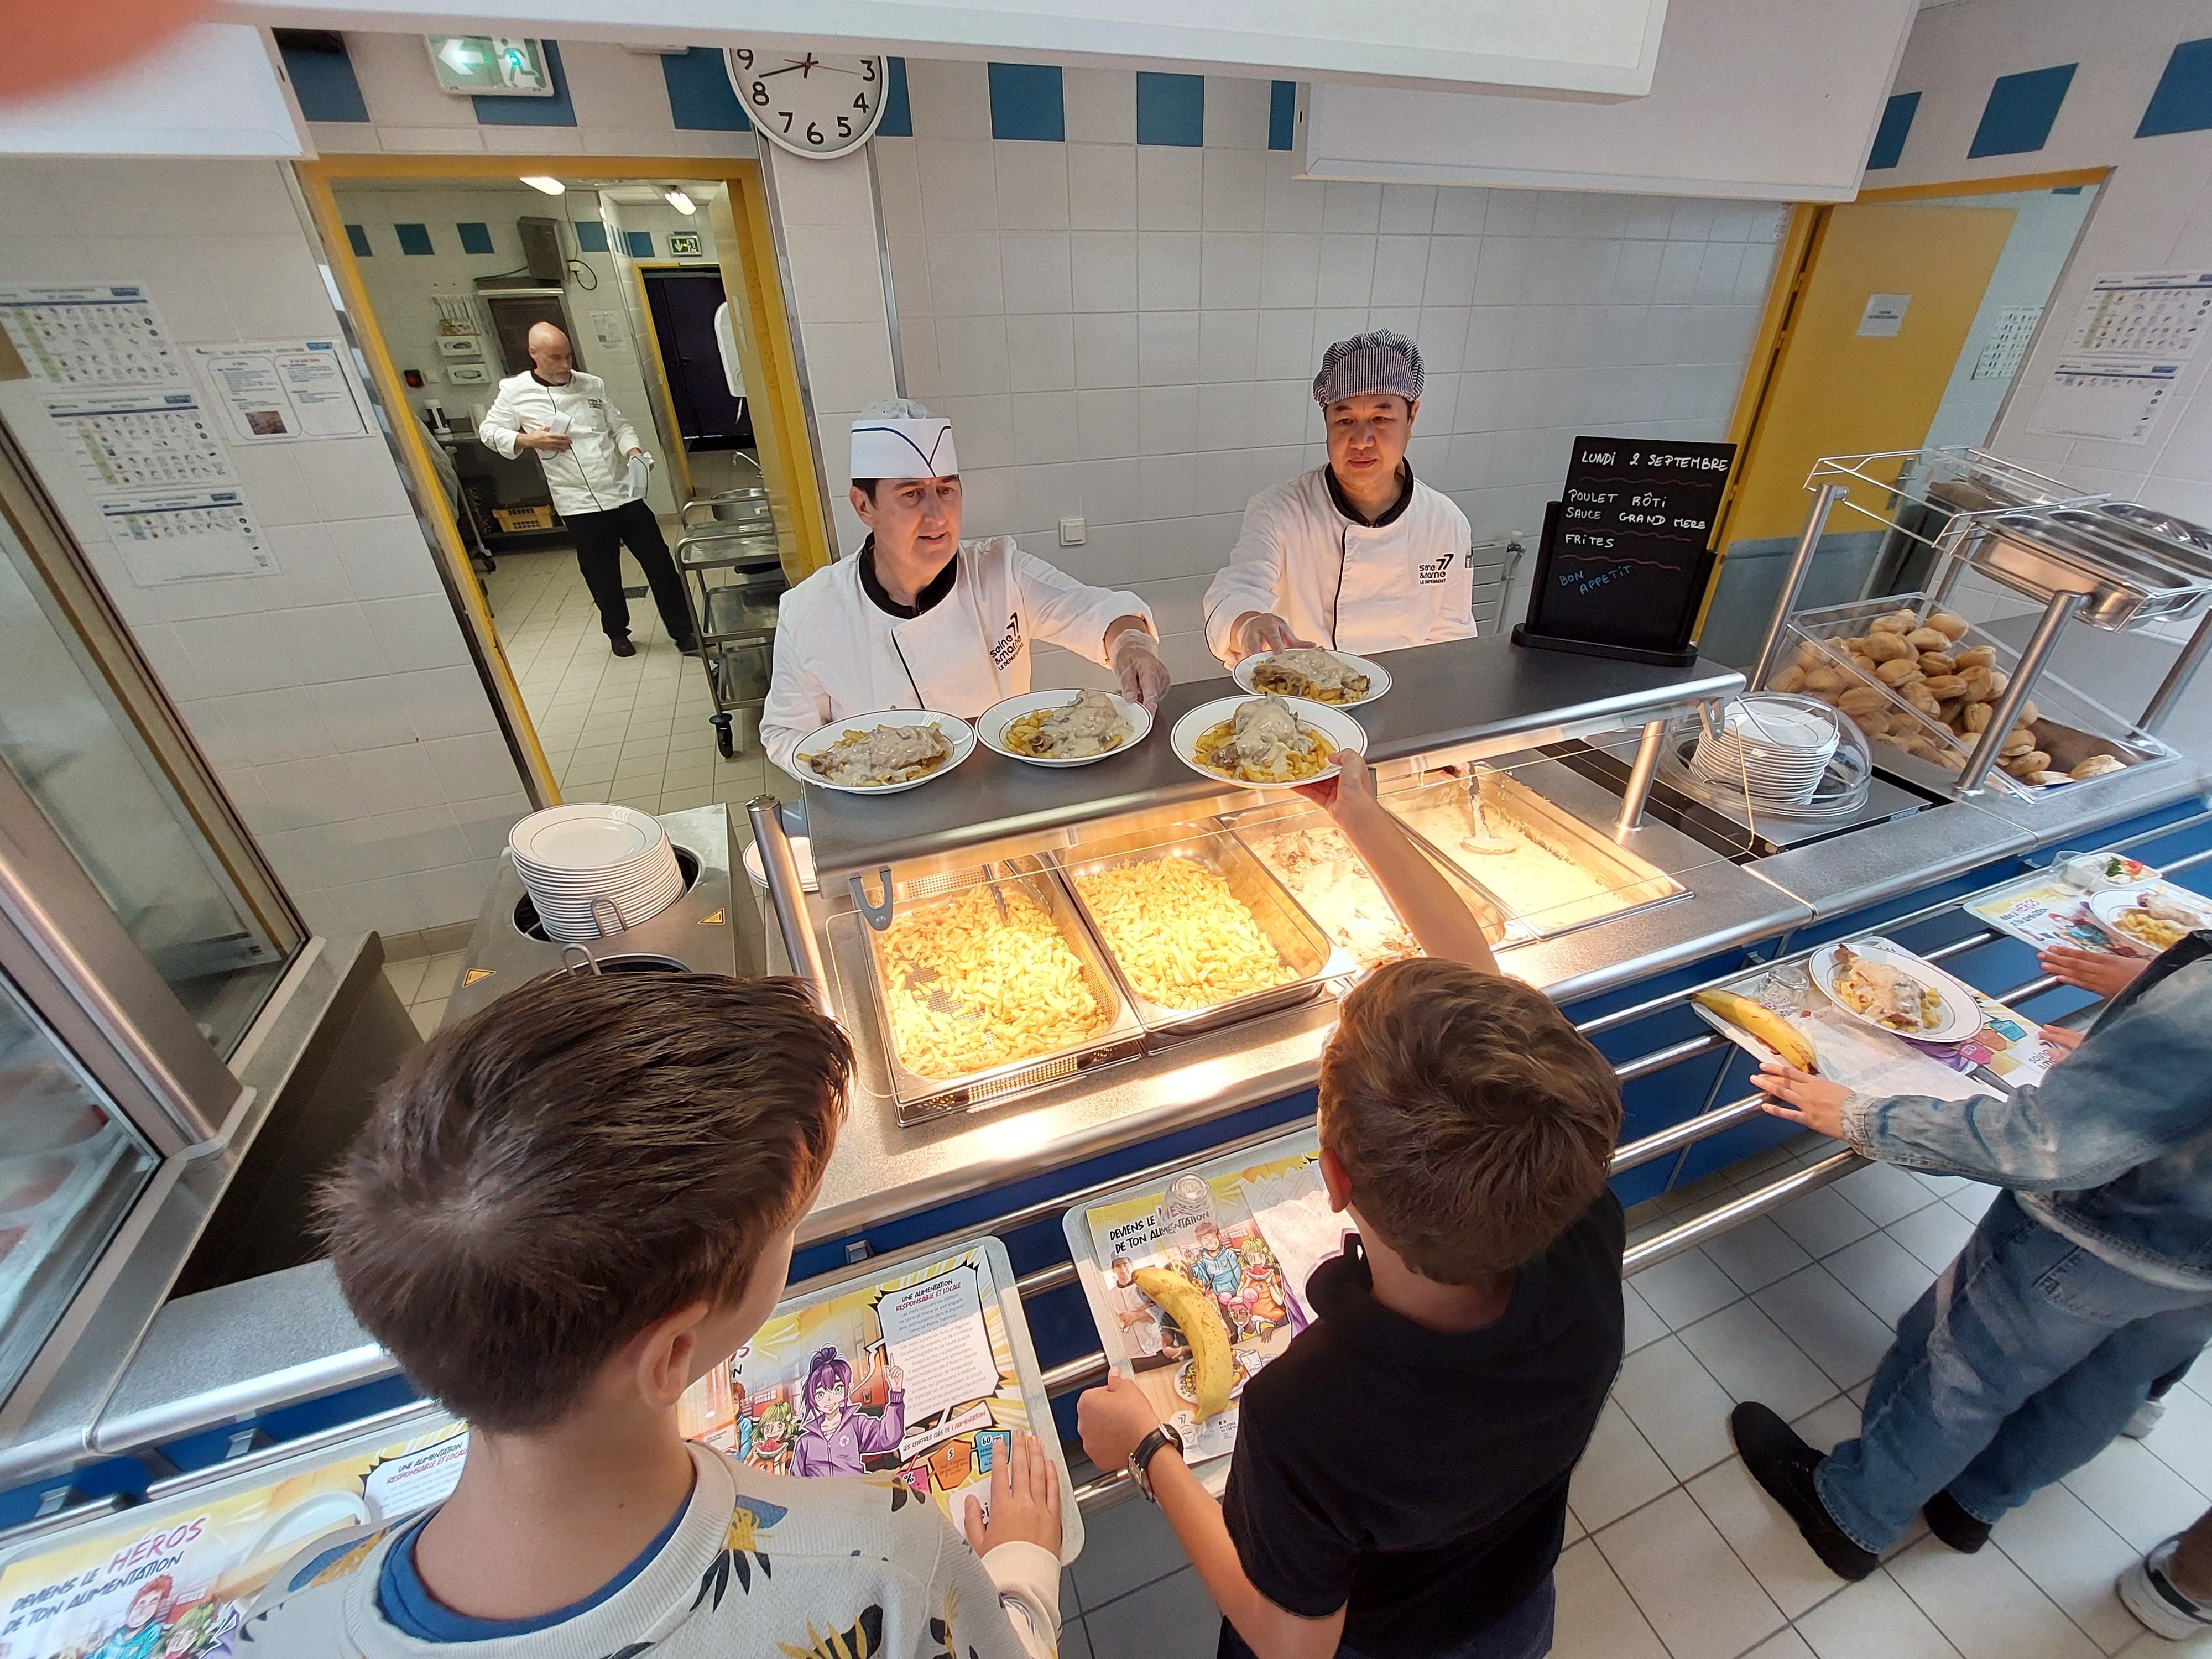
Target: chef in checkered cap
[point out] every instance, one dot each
(1358, 556)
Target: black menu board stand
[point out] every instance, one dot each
(1625, 555)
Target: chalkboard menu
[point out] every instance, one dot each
(1627, 554)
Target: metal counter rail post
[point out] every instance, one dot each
(786, 897)
(1793, 583)
(2025, 674)
(1639, 793)
(2177, 678)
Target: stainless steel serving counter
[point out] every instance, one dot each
(1473, 697)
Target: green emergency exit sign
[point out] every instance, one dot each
(490, 65)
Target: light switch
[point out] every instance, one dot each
(1071, 532)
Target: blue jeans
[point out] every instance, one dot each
(2022, 1362)
(1523, 1633)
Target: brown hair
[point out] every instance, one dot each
(584, 1157)
(1475, 1122)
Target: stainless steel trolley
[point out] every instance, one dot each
(733, 578)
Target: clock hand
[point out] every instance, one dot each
(786, 70)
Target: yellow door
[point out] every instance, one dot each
(1854, 377)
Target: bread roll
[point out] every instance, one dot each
(1948, 685)
(2098, 766)
(1899, 671)
(2027, 765)
(1977, 684)
(1895, 622)
(1818, 680)
(1920, 697)
(1810, 655)
(1790, 679)
(2018, 742)
(1998, 681)
(2029, 713)
(1949, 623)
(1888, 647)
(2046, 779)
(1975, 716)
(1862, 699)
(1928, 639)
(1952, 762)
(1975, 656)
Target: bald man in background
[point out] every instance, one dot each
(584, 444)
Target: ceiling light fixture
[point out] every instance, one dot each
(550, 187)
(677, 199)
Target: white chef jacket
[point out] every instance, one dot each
(726, 346)
(839, 654)
(1356, 588)
(593, 474)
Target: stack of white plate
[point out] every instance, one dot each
(1774, 747)
(592, 871)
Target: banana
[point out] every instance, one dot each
(1198, 1318)
(1763, 1023)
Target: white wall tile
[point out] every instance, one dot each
(1235, 190)
(1103, 269)
(1040, 353)
(1032, 185)
(1166, 347)
(1168, 271)
(1101, 187)
(1106, 350)
(1101, 105)
(948, 99)
(1169, 187)
(1036, 267)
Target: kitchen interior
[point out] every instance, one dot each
(456, 271)
(1959, 568)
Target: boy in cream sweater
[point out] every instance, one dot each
(563, 1212)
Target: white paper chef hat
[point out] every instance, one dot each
(900, 439)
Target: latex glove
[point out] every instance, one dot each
(1144, 677)
(1263, 630)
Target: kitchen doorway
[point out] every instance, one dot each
(444, 262)
(1902, 324)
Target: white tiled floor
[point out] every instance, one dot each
(424, 984)
(1677, 1554)
(634, 730)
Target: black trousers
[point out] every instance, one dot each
(600, 539)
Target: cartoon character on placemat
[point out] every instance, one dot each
(837, 1439)
(776, 1432)
(139, 1636)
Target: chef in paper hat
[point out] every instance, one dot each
(919, 618)
(1358, 556)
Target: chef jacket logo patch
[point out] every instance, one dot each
(1434, 572)
(1010, 643)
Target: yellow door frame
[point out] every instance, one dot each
(1793, 268)
(746, 251)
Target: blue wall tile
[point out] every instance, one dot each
(700, 96)
(1027, 101)
(321, 74)
(1282, 113)
(1896, 122)
(476, 238)
(638, 244)
(554, 112)
(358, 239)
(1170, 109)
(590, 236)
(413, 239)
(898, 112)
(2182, 101)
(2021, 107)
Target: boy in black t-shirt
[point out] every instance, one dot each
(1398, 1487)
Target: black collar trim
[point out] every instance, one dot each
(929, 598)
(1389, 514)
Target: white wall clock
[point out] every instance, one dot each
(810, 104)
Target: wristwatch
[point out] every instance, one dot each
(1141, 1459)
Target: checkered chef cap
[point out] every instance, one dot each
(1381, 362)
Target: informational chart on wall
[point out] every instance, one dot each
(119, 396)
(162, 485)
(2125, 355)
(91, 334)
(1627, 549)
(282, 390)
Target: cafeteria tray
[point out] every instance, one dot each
(1629, 883)
(1298, 939)
(919, 1096)
(1260, 828)
(2126, 577)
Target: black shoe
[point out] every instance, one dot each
(690, 647)
(620, 645)
(1780, 1461)
(1950, 1521)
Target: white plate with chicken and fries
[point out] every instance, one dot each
(1895, 991)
